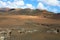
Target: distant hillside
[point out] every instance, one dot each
(27, 11)
(4, 9)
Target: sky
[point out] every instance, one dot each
(50, 5)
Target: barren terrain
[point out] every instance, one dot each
(40, 28)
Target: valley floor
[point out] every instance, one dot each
(24, 27)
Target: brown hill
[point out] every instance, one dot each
(27, 11)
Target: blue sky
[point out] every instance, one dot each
(50, 5)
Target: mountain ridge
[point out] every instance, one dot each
(27, 11)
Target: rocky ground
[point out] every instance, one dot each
(23, 27)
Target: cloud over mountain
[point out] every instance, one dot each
(50, 5)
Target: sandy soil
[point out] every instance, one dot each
(30, 22)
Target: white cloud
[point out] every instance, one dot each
(41, 6)
(50, 5)
(2, 3)
(19, 3)
(30, 6)
(51, 2)
(14, 4)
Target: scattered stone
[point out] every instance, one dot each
(53, 31)
(2, 38)
(57, 30)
